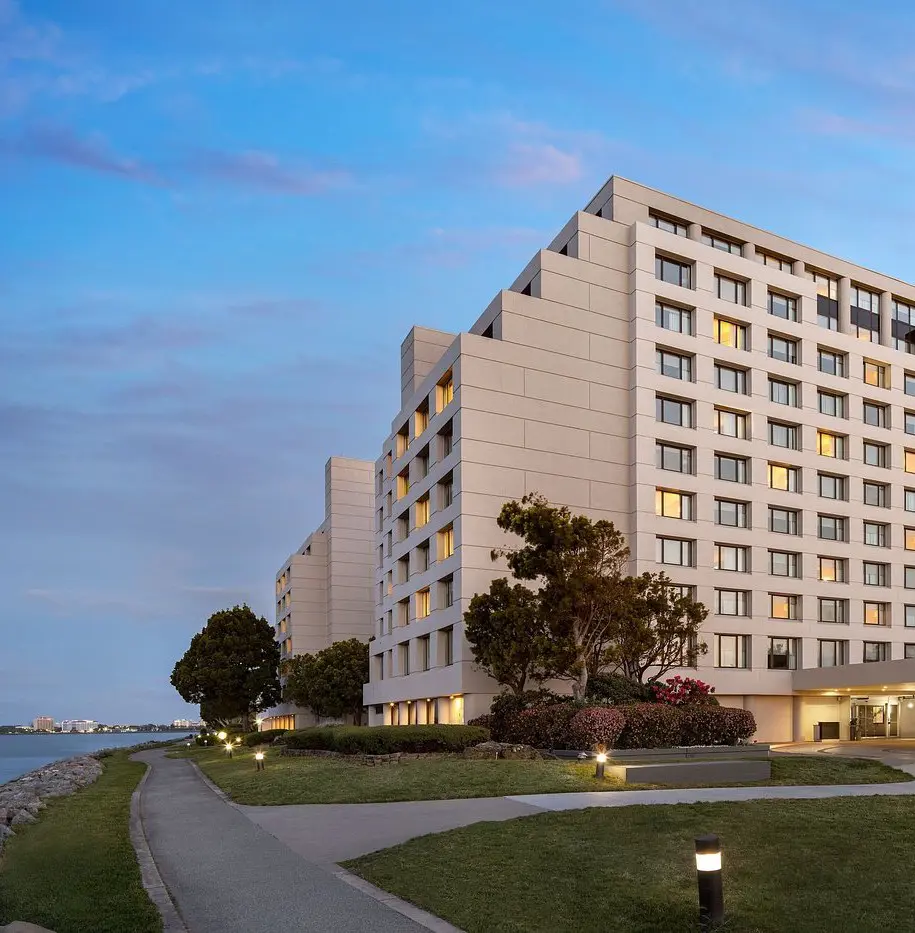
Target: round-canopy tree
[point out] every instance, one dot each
(329, 682)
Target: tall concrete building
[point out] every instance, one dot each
(43, 724)
(742, 407)
(324, 590)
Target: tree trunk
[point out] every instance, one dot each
(580, 685)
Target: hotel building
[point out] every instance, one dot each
(742, 407)
(324, 589)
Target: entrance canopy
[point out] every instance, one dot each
(894, 677)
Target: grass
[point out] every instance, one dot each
(327, 780)
(825, 866)
(75, 869)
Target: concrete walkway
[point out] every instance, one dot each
(228, 875)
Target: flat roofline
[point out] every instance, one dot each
(850, 679)
(744, 223)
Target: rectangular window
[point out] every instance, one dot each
(832, 528)
(422, 557)
(827, 300)
(422, 645)
(783, 393)
(732, 557)
(875, 534)
(832, 445)
(673, 272)
(732, 290)
(446, 591)
(446, 542)
(731, 469)
(833, 404)
(720, 242)
(908, 651)
(832, 569)
(403, 483)
(402, 441)
(784, 435)
(421, 419)
(832, 486)
(730, 333)
(909, 578)
(783, 306)
(446, 491)
(876, 574)
(423, 603)
(732, 513)
(674, 458)
(909, 539)
(448, 638)
(876, 494)
(784, 564)
(667, 224)
(783, 654)
(422, 510)
(831, 362)
(786, 478)
(909, 383)
(875, 454)
(673, 504)
(908, 461)
(445, 441)
(731, 423)
(832, 653)
(909, 423)
(902, 326)
(834, 611)
(865, 314)
(875, 651)
(732, 651)
(782, 348)
(875, 374)
(676, 551)
(403, 612)
(777, 262)
(876, 614)
(909, 616)
(730, 379)
(876, 415)
(674, 411)
(732, 602)
(670, 317)
(784, 521)
(784, 606)
(910, 500)
(674, 365)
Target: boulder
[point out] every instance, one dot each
(484, 750)
(22, 816)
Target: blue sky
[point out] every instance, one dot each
(219, 219)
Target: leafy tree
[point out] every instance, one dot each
(329, 682)
(230, 668)
(510, 637)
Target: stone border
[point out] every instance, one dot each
(149, 872)
(394, 758)
(414, 913)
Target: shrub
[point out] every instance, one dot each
(385, 740)
(506, 706)
(715, 725)
(264, 737)
(544, 726)
(683, 691)
(650, 725)
(484, 721)
(617, 689)
(595, 725)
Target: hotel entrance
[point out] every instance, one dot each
(875, 720)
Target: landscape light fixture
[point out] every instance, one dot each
(222, 736)
(708, 874)
(258, 761)
(601, 764)
(229, 748)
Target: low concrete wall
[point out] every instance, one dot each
(693, 772)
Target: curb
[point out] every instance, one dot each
(149, 873)
(421, 917)
(220, 793)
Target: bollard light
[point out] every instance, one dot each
(222, 736)
(258, 761)
(708, 874)
(229, 748)
(601, 764)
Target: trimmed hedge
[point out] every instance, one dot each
(650, 725)
(596, 725)
(386, 740)
(544, 726)
(265, 737)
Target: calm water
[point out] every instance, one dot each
(22, 753)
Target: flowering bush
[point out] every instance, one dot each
(650, 725)
(543, 726)
(682, 691)
(715, 725)
(595, 725)
(506, 706)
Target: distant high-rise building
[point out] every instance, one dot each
(78, 725)
(43, 724)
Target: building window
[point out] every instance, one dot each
(732, 290)
(674, 411)
(832, 445)
(910, 616)
(784, 521)
(669, 503)
(909, 578)
(446, 542)
(783, 654)
(865, 314)
(445, 391)
(732, 557)
(402, 441)
(784, 606)
(783, 435)
(784, 564)
(832, 569)
(909, 383)
(403, 526)
(673, 272)
(876, 614)
(670, 317)
(422, 510)
(447, 635)
(876, 494)
(783, 393)
(423, 603)
(875, 374)
(667, 224)
(783, 306)
(833, 487)
(731, 423)
(875, 454)
(909, 539)
(403, 569)
(908, 651)
(876, 415)
(782, 348)
(720, 242)
(730, 333)
(446, 591)
(732, 651)
(404, 650)
(730, 379)
(875, 535)
(446, 491)
(674, 365)
(833, 653)
(777, 262)
(421, 419)
(902, 327)
(910, 500)
(827, 300)
(732, 513)
(403, 483)
(876, 574)
(785, 478)
(731, 469)
(908, 461)
(831, 362)
(875, 651)
(674, 458)
(832, 528)
(422, 557)
(403, 612)
(445, 441)
(676, 551)
(732, 602)
(833, 404)
(422, 645)
(834, 611)
(909, 422)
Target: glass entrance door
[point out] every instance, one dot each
(876, 720)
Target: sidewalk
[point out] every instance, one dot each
(227, 875)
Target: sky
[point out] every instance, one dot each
(219, 219)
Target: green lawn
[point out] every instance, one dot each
(830, 866)
(74, 871)
(327, 780)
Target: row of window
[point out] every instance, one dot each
(383, 664)
(733, 651)
(399, 616)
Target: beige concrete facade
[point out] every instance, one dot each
(644, 311)
(324, 591)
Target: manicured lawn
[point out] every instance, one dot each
(75, 871)
(327, 780)
(830, 866)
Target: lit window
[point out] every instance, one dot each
(730, 334)
(732, 602)
(423, 603)
(730, 423)
(783, 606)
(446, 542)
(422, 511)
(910, 461)
(784, 477)
(875, 374)
(832, 569)
(831, 445)
(732, 651)
(445, 391)
(670, 504)
(910, 539)
(403, 483)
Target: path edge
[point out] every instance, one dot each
(149, 872)
(411, 911)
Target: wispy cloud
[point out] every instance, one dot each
(266, 171)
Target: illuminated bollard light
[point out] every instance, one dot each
(229, 749)
(222, 736)
(259, 761)
(601, 765)
(708, 872)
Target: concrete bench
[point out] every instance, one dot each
(693, 772)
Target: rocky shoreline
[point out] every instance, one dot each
(23, 797)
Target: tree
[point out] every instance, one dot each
(230, 668)
(329, 682)
(510, 637)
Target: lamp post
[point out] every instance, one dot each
(601, 765)
(259, 761)
(222, 736)
(708, 873)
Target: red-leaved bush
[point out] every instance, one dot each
(595, 725)
(682, 691)
(543, 726)
(715, 725)
(650, 725)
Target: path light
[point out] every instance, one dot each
(229, 749)
(222, 736)
(258, 761)
(601, 764)
(708, 872)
